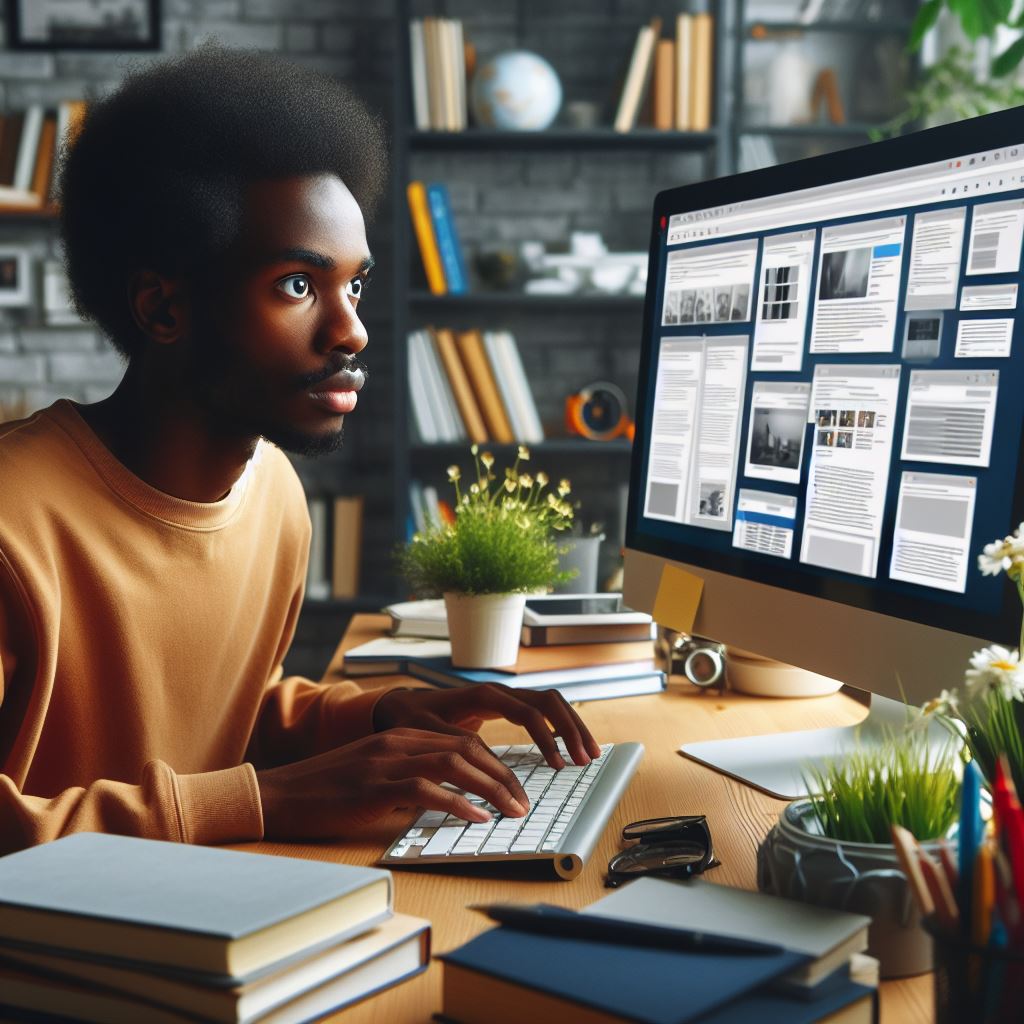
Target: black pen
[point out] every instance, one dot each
(545, 919)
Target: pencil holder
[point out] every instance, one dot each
(975, 983)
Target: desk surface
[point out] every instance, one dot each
(665, 783)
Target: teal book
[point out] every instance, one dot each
(218, 912)
(506, 975)
(448, 244)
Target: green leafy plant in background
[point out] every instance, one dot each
(950, 89)
(901, 781)
(503, 539)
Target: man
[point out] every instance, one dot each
(153, 545)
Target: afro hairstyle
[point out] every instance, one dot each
(155, 178)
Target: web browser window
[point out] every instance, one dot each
(831, 378)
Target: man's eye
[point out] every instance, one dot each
(296, 286)
(356, 287)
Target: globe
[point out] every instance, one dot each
(516, 91)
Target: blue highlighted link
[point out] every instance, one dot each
(881, 251)
(765, 519)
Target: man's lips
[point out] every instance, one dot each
(338, 392)
(337, 401)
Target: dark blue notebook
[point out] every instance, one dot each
(651, 986)
(759, 1007)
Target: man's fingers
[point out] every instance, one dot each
(454, 769)
(421, 792)
(512, 707)
(567, 724)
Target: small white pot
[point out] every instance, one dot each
(484, 628)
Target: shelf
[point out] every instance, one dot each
(359, 603)
(554, 446)
(851, 129)
(487, 300)
(763, 31)
(30, 213)
(557, 138)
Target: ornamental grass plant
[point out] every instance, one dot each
(503, 539)
(901, 781)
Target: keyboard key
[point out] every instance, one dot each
(430, 819)
(441, 842)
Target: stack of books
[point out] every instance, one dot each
(112, 928)
(437, 53)
(470, 385)
(672, 77)
(335, 546)
(810, 969)
(30, 142)
(440, 249)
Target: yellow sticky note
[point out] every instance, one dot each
(678, 599)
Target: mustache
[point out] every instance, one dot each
(350, 372)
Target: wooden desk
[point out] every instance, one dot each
(665, 783)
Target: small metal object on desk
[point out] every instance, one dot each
(700, 660)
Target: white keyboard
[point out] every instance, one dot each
(569, 809)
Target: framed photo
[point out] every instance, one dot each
(83, 24)
(15, 276)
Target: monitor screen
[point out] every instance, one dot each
(830, 395)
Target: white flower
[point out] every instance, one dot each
(996, 668)
(947, 703)
(1003, 555)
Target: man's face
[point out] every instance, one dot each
(272, 351)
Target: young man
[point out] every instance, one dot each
(153, 546)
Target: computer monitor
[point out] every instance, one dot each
(829, 413)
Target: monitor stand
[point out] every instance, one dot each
(774, 763)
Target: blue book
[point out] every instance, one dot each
(223, 913)
(447, 240)
(543, 977)
(591, 682)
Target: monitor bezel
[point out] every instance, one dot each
(988, 132)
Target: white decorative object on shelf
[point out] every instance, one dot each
(516, 91)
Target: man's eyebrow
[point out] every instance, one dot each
(313, 258)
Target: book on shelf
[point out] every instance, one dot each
(474, 357)
(438, 73)
(452, 426)
(448, 245)
(346, 545)
(435, 413)
(702, 45)
(425, 417)
(513, 386)
(423, 228)
(638, 76)
(664, 84)
(465, 397)
(177, 905)
(88, 989)
(318, 586)
(28, 146)
(684, 45)
(42, 173)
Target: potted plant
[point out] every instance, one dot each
(834, 848)
(500, 546)
(987, 712)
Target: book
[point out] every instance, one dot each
(702, 43)
(458, 74)
(548, 636)
(318, 586)
(828, 938)
(28, 148)
(9, 144)
(637, 76)
(505, 976)
(460, 385)
(435, 85)
(583, 619)
(390, 655)
(43, 170)
(191, 907)
(507, 352)
(502, 379)
(684, 29)
(664, 84)
(416, 194)
(347, 546)
(435, 400)
(418, 75)
(331, 978)
(448, 244)
(474, 358)
(453, 427)
(424, 420)
(419, 618)
(592, 682)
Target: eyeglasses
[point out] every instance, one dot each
(678, 847)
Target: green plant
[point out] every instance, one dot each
(987, 713)
(901, 781)
(979, 19)
(502, 539)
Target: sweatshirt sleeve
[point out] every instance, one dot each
(208, 808)
(299, 718)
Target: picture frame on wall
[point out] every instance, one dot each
(15, 276)
(83, 24)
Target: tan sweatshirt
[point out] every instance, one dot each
(141, 640)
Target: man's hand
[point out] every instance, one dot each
(461, 712)
(328, 795)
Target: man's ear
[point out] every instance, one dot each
(159, 306)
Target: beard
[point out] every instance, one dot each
(237, 401)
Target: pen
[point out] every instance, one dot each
(544, 919)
